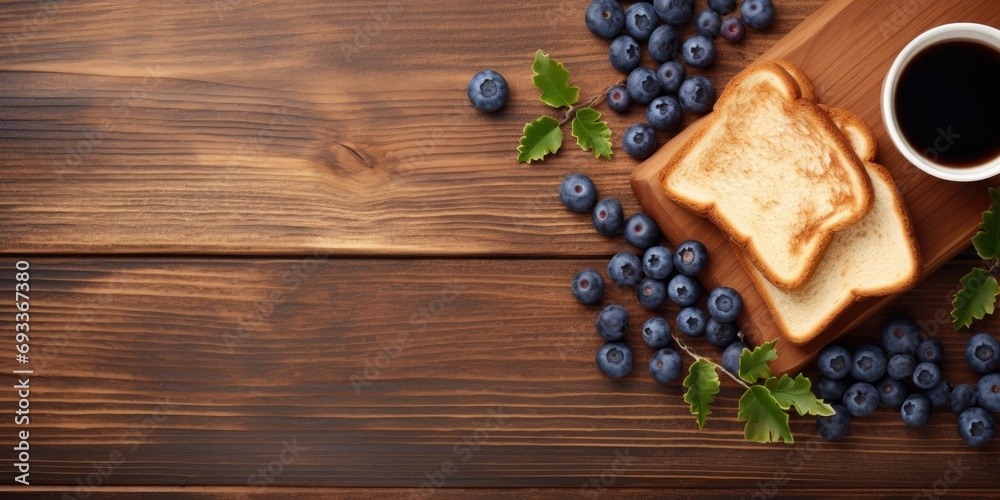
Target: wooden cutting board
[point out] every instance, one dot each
(846, 49)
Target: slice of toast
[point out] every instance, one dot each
(773, 172)
(877, 256)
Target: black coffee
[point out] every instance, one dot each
(948, 103)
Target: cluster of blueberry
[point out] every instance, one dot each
(654, 279)
(881, 376)
(641, 22)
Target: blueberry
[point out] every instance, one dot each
(698, 51)
(588, 286)
(696, 95)
(651, 293)
(708, 23)
(614, 359)
(720, 334)
(900, 336)
(724, 304)
(830, 390)
(962, 397)
(488, 91)
(722, 6)
(931, 351)
(675, 12)
(891, 392)
(939, 395)
(642, 85)
(691, 321)
(988, 392)
(869, 363)
(605, 18)
(683, 290)
(670, 75)
(901, 366)
(625, 269)
(861, 399)
(834, 362)
(578, 193)
(612, 323)
(916, 410)
(624, 54)
(658, 262)
(690, 258)
(834, 427)
(664, 43)
(641, 231)
(640, 21)
(731, 358)
(757, 14)
(982, 353)
(618, 99)
(664, 113)
(639, 141)
(926, 376)
(665, 366)
(733, 30)
(607, 217)
(976, 427)
(656, 332)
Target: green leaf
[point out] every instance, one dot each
(702, 384)
(975, 299)
(592, 133)
(541, 137)
(987, 240)
(753, 365)
(552, 79)
(797, 392)
(994, 198)
(766, 421)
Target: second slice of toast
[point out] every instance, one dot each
(877, 256)
(773, 172)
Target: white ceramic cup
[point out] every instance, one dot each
(968, 32)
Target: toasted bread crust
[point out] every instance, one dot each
(806, 88)
(853, 127)
(822, 232)
(851, 124)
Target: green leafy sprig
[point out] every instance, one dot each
(979, 291)
(544, 136)
(764, 406)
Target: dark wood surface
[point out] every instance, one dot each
(256, 224)
(300, 493)
(241, 127)
(199, 371)
(827, 48)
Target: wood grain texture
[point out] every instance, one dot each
(285, 127)
(323, 129)
(828, 48)
(200, 372)
(297, 493)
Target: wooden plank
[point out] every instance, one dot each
(846, 49)
(296, 493)
(285, 127)
(205, 372)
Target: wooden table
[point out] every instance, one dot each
(274, 251)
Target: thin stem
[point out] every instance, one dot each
(594, 101)
(695, 355)
(994, 266)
